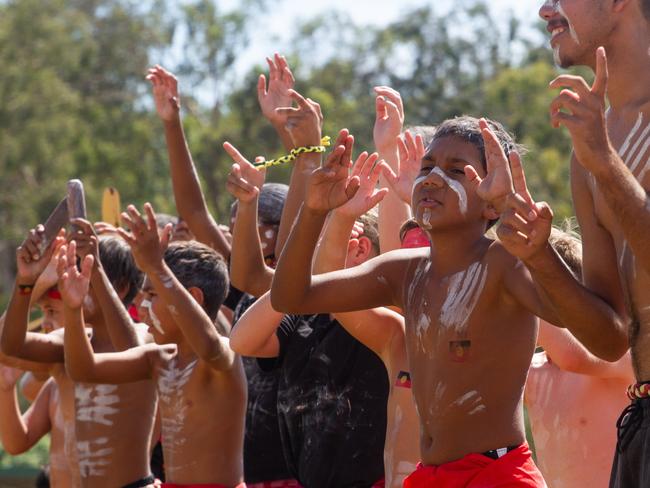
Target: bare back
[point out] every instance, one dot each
(469, 345)
(203, 415)
(630, 135)
(60, 469)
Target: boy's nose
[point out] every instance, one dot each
(548, 9)
(435, 178)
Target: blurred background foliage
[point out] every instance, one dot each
(74, 102)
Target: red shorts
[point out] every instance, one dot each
(202, 485)
(514, 470)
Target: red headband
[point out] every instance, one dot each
(54, 294)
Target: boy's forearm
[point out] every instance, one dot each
(197, 327)
(248, 271)
(190, 201)
(16, 319)
(589, 318)
(284, 136)
(13, 431)
(302, 169)
(393, 212)
(118, 321)
(79, 354)
(629, 201)
(292, 280)
(332, 248)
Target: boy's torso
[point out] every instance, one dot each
(573, 419)
(202, 417)
(469, 345)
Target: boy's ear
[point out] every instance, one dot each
(364, 248)
(197, 294)
(490, 213)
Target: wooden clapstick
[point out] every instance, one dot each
(76, 201)
(111, 207)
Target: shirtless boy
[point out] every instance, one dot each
(200, 380)
(609, 180)
(107, 428)
(20, 432)
(469, 307)
(574, 398)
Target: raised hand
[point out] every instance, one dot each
(367, 196)
(389, 118)
(331, 186)
(147, 246)
(303, 123)
(505, 182)
(29, 261)
(104, 228)
(411, 152)
(524, 238)
(281, 81)
(245, 181)
(584, 114)
(73, 283)
(9, 377)
(165, 93)
(86, 240)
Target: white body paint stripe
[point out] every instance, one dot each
(632, 133)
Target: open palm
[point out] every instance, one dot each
(73, 283)
(165, 93)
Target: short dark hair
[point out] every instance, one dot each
(370, 223)
(119, 266)
(467, 128)
(196, 265)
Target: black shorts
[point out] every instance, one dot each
(141, 483)
(631, 467)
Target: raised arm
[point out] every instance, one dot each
(276, 95)
(248, 271)
(254, 334)
(15, 340)
(568, 354)
(584, 117)
(369, 285)
(81, 363)
(304, 125)
(148, 251)
(375, 328)
(118, 321)
(594, 320)
(190, 201)
(18, 432)
(393, 210)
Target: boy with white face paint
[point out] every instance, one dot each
(468, 369)
(200, 380)
(106, 429)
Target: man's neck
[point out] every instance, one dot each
(628, 59)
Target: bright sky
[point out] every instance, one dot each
(272, 35)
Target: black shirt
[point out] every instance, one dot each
(263, 454)
(331, 404)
